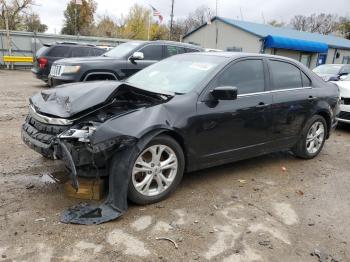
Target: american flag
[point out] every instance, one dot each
(157, 13)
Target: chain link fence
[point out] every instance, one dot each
(27, 43)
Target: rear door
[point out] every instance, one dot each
(236, 129)
(293, 101)
(152, 53)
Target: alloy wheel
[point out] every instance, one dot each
(315, 137)
(154, 170)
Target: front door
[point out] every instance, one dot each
(233, 129)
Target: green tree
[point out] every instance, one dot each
(344, 27)
(32, 23)
(79, 18)
(12, 11)
(159, 32)
(135, 24)
(106, 27)
(276, 23)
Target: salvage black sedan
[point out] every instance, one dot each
(184, 113)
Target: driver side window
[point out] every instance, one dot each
(247, 76)
(152, 52)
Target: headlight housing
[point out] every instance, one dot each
(70, 69)
(82, 135)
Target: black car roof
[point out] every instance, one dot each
(242, 54)
(71, 44)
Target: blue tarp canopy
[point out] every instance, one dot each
(272, 41)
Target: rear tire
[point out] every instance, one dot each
(312, 138)
(156, 171)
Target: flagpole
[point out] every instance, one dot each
(149, 26)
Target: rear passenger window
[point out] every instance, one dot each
(80, 51)
(99, 52)
(247, 76)
(306, 80)
(59, 51)
(152, 52)
(284, 75)
(190, 50)
(170, 50)
(174, 50)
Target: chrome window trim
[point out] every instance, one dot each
(49, 120)
(275, 91)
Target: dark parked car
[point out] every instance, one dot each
(185, 113)
(49, 53)
(118, 63)
(332, 72)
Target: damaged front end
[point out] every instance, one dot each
(63, 126)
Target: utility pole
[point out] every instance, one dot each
(8, 37)
(171, 20)
(216, 24)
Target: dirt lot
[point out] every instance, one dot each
(253, 210)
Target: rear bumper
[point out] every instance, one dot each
(39, 74)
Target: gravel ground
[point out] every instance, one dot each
(271, 208)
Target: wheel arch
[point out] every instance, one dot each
(328, 119)
(104, 72)
(177, 137)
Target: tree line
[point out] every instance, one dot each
(81, 19)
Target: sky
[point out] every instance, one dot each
(51, 11)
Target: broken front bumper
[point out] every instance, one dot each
(41, 137)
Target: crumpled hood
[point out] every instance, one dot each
(70, 99)
(85, 60)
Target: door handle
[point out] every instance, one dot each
(262, 105)
(312, 98)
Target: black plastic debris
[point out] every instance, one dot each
(85, 214)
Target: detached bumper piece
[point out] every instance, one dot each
(85, 214)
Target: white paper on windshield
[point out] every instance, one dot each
(201, 66)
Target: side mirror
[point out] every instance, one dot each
(137, 56)
(225, 93)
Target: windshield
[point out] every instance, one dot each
(178, 74)
(122, 50)
(328, 69)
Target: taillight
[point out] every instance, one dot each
(42, 62)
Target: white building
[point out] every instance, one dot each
(311, 49)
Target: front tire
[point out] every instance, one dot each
(312, 138)
(156, 171)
